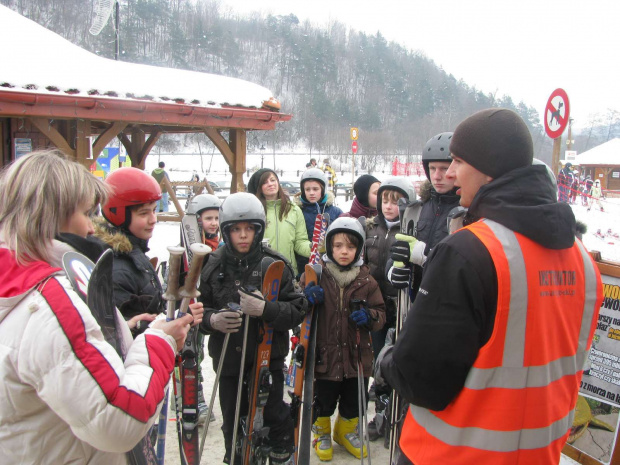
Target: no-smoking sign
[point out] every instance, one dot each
(557, 113)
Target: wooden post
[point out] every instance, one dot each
(165, 183)
(555, 157)
(238, 148)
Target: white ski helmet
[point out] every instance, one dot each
(313, 174)
(345, 225)
(202, 202)
(240, 207)
(437, 148)
(398, 184)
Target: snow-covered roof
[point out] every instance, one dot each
(607, 154)
(39, 61)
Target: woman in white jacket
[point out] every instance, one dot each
(66, 396)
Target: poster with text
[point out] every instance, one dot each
(601, 376)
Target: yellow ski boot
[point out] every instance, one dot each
(322, 442)
(346, 434)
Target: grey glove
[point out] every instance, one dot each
(387, 348)
(226, 321)
(252, 303)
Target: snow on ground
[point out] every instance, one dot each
(167, 234)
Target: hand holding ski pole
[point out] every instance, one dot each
(314, 294)
(252, 302)
(361, 317)
(226, 320)
(176, 328)
(407, 249)
(197, 311)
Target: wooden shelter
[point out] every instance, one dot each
(603, 163)
(53, 93)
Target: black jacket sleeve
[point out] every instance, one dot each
(451, 319)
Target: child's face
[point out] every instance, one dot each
(372, 194)
(80, 222)
(389, 206)
(210, 220)
(312, 190)
(343, 249)
(143, 220)
(242, 236)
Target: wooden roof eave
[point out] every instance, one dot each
(97, 108)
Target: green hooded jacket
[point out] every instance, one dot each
(288, 236)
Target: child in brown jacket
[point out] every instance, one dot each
(348, 300)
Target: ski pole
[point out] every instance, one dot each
(170, 296)
(220, 365)
(246, 322)
(363, 431)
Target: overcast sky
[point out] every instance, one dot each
(523, 48)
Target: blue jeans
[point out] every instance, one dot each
(162, 204)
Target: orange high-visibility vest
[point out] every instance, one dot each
(516, 406)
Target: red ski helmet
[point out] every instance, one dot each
(130, 187)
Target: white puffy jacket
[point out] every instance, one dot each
(66, 396)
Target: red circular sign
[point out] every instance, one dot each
(354, 146)
(557, 113)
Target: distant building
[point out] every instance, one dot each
(603, 163)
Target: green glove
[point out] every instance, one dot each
(407, 249)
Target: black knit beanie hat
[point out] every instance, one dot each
(362, 187)
(494, 141)
(253, 182)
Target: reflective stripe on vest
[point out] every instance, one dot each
(511, 379)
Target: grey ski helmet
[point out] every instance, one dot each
(313, 174)
(436, 149)
(240, 207)
(345, 225)
(202, 202)
(395, 183)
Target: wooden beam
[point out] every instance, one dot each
(106, 136)
(137, 143)
(49, 131)
(165, 183)
(146, 148)
(82, 143)
(238, 148)
(220, 142)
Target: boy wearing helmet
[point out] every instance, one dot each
(235, 265)
(314, 199)
(130, 214)
(438, 196)
(348, 299)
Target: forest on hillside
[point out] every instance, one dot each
(329, 78)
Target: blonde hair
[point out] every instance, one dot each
(392, 195)
(39, 192)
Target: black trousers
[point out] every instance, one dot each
(344, 394)
(277, 414)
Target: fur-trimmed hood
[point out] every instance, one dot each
(113, 236)
(425, 190)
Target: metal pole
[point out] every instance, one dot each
(116, 31)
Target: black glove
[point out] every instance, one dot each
(314, 294)
(400, 277)
(400, 251)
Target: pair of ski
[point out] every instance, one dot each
(185, 382)
(94, 285)
(252, 446)
(304, 355)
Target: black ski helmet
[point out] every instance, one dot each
(313, 174)
(345, 225)
(240, 207)
(202, 202)
(436, 149)
(395, 183)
